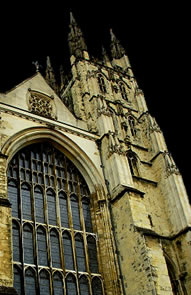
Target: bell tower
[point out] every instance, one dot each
(148, 203)
(91, 199)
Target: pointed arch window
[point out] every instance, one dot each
(84, 285)
(42, 246)
(131, 121)
(87, 214)
(133, 162)
(123, 91)
(16, 242)
(51, 201)
(26, 201)
(71, 287)
(68, 252)
(75, 212)
(101, 83)
(92, 251)
(28, 244)
(55, 249)
(18, 280)
(30, 282)
(58, 284)
(63, 209)
(39, 204)
(14, 197)
(44, 282)
(97, 286)
(51, 224)
(80, 253)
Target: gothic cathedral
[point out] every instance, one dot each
(91, 200)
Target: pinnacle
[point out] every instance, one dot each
(72, 19)
(113, 37)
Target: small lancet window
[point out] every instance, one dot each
(80, 253)
(97, 286)
(131, 121)
(28, 244)
(71, 285)
(63, 209)
(101, 83)
(51, 200)
(84, 285)
(68, 253)
(18, 280)
(133, 163)
(44, 282)
(26, 202)
(87, 214)
(123, 91)
(30, 282)
(42, 246)
(14, 198)
(92, 252)
(55, 249)
(39, 204)
(58, 284)
(75, 212)
(16, 242)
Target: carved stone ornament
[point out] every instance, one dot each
(102, 106)
(41, 104)
(171, 167)
(154, 125)
(114, 145)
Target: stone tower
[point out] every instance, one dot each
(91, 200)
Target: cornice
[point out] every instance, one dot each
(50, 123)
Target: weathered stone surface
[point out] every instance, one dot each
(140, 209)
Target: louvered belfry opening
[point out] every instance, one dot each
(54, 246)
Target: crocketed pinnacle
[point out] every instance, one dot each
(75, 38)
(117, 50)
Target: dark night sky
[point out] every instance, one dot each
(156, 39)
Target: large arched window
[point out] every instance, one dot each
(54, 246)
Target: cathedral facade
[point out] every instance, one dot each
(91, 200)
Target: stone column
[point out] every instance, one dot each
(6, 266)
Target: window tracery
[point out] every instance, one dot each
(54, 247)
(41, 104)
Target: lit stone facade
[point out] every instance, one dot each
(139, 206)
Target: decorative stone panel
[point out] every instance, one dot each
(41, 104)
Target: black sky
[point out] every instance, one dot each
(156, 38)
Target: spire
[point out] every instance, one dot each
(104, 54)
(75, 38)
(105, 57)
(117, 50)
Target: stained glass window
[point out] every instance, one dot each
(53, 238)
(84, 286)
(97, 286)
(68, 253)
(42, 246)
(30, 282)
(71, 285)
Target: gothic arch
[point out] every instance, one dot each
(62, 143)
(173, 274)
